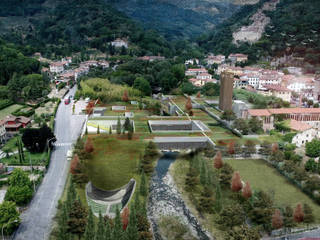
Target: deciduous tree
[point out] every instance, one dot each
(89, 146)
(247, 193)
(277, 221)
(188, 105)
(217, 161)
(125, 96)
(236, 184)
(298, 215)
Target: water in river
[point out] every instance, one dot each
(164, 199)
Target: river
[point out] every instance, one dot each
(165, 199)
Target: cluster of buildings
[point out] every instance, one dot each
(232, 58)
(61, 72)
(151, 58)
(199, 76)
(275, 83)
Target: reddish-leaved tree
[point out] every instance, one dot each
(88, 146)
(125, 96)
(298, 215)
(199, 95)
(277, 221)
(74, 167)
(217, 161)
(246, 192)
(231, 149)
(125, 218)
(275, 147)
(188, 104)
(236, 184)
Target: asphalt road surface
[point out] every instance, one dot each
(37, 219)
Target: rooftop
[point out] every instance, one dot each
(299, 126)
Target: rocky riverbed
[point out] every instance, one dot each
(165, 200)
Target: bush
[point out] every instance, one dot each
(313, 148)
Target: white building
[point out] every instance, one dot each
(306, 133)
(57, 67)
(204, 76)
(195, 71)
(192, 61)
(118, 43)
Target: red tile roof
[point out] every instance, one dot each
(259, 112)
(275, 111)
(299, 126)
(277, 88)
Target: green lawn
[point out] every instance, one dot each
(8, 110)
(264, 177)
(36, 158)
(114, 161)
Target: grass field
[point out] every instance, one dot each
(36, 158)
(114, 161)
(8, 110)
(264, 177)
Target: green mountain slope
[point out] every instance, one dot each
(176, 19)
(66, 26)
(294, 29)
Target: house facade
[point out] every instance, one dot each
(14, 124)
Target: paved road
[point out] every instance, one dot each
(37, 220)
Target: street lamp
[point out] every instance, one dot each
(15, 221)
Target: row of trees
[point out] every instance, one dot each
(209, 184)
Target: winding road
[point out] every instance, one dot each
(37, 219)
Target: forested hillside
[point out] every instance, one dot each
(177, 19)
(294, 28)
(63, 27)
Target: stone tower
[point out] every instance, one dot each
(226, 91)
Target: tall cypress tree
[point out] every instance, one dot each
(137, 205)
(62, 222)
(132, 229)
(118, 126)
(218, 198)
(203, 173)
(107, 231)
(89, 233)
(100, 235)
(19, 151)
(71, 195)
(143, 186)
(117, 232)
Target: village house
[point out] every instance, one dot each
(118, 43)
(201, 82)
(305, 133)
(219, 59)
(310, 116)
(13, 123)
(238, 57)
(57, 67)
(152, 58)
(204, 76)
(240, 83)
(193, 61)
(300, 83)
(276, 91)
(195, 71)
